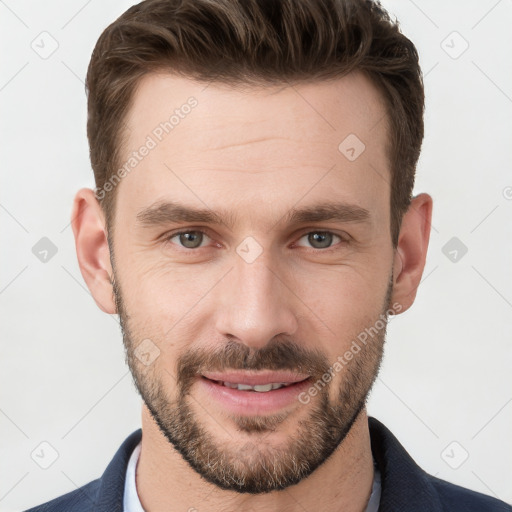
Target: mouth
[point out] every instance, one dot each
(262, 381)
(259, 388)
(254, 393)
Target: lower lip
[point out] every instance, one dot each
(254, 402)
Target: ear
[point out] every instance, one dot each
(411, 252)
(89, 229)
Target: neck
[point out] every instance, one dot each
(165, 481)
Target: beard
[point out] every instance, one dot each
(255, 466)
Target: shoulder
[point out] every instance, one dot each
(104, 494)
(80, 500)
(406, 486)
(454, 497)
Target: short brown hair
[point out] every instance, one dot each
(260, 42)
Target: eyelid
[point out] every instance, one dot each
(305, 231)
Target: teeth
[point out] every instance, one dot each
(244, 387)
(260, 388)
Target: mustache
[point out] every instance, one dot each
(276, 355)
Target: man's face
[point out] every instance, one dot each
(276, 290)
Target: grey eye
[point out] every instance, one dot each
(190, 239)
(320, 239)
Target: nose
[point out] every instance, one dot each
(254, 303)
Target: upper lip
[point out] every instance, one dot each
(255, 378)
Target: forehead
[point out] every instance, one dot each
(351, 102)
(217, 143)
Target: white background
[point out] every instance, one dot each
(447, 370)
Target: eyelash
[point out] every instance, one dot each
(343, 240)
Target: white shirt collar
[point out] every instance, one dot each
(131, 501)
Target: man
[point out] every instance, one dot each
(253, 227)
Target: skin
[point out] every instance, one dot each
(255, 153)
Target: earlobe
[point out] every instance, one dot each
(411, 252)
(93, 253)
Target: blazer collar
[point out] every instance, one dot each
(404, 485)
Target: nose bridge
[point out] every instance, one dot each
(254, 304)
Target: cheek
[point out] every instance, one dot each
(342, 304)
(154, 286)
(165, 304)
(343, 296)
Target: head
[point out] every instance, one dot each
(253, 213)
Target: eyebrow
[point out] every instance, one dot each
(172, 212)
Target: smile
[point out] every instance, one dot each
(253, 393)
(260, 388)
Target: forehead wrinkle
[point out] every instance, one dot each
(248, 142)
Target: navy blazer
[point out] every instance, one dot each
(405, 486)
